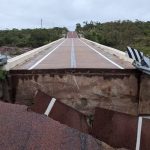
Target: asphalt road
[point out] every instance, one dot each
(74, 53)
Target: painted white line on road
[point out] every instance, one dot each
(45, 56)
(73, 57)
(102, 55)
(50, 106)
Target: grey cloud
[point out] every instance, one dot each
(27, 14)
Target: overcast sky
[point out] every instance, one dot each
(28, 13)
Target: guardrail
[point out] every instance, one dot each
(122, 55)
(26, 56)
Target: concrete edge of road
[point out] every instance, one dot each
(26, 56)
(122, 55)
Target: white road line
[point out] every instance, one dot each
(45, 56)
(73, 58)
(102, 55)
(139, 130)
(138, 141)
(50, 106)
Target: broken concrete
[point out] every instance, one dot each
(82, 89)
(145, 135)
(27, 130)
(60, 112)
(117, 129)
(21, 129)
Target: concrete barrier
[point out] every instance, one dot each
(113, 51)
(26, 56)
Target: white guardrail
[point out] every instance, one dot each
(122, 55)
(26, 56)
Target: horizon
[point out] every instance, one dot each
(82, 24)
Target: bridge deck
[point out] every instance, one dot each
(74, 53)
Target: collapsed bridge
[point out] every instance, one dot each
(83, 75)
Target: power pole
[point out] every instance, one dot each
(41, 23)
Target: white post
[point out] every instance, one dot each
(138, 140)
(50, 106)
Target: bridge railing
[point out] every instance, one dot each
(122, 55)
(20, 59)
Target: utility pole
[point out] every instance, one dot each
(41, 23)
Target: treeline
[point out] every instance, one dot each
(118, 34)
(30, 37)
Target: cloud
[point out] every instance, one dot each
(27, 14)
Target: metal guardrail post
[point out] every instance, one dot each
(139, 130)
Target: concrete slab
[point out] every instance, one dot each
(60, 112)
(117, 129)
(28, 130)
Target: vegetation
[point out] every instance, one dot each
(30, 37)
(119, 34)
(3, 74)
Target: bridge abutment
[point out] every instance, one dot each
(83, 89)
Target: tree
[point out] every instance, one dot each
(118, 34)
(78, 27)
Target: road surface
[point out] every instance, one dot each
(74, 52)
